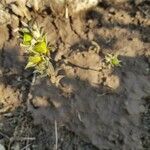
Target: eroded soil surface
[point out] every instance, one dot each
(96, 107)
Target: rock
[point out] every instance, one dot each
(79, 5)
(112, 82)
(4, 16)
(132, 107)
(74, 6)
(36, 4)
(9, 1)
(137, 2)
(20, 9)
(2, 147)
(16, 10)
(142, 108)
(3, 34)
(16, 146)
(112, 10)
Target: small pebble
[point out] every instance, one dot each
(142, 109)
(112, 10)
(8, 115)
(2, 147)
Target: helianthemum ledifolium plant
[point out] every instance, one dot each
(39, 52)
(112, 60)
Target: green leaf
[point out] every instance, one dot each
(25, 30)
(29, 65)
(33, 61)
(27, 38)
(116, 61)
(41, 47)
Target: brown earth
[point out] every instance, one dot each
(96, 107)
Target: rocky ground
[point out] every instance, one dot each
(96, 107)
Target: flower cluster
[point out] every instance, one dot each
(35, 43)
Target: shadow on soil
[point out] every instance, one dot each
(77, 100)
(110, 41)
(84, 112)
(132, 10)
(16, 123)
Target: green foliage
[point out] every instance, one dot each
(33, 61)
(112, 60)
(27, 38)
(41, 47)
(38, 52)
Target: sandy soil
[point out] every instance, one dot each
(96, 107)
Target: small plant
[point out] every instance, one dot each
(38, 50)
(112, 60)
